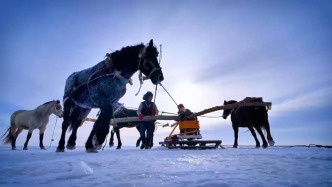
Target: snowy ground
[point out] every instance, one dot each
(162, 167)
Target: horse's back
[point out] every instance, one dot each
(21, 118)
(126, 113)
(80, 77)
(245, 115)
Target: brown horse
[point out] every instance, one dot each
(252, 117)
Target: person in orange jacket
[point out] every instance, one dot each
(146, 128)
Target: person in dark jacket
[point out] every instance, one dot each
(146, 128)
(185, 113)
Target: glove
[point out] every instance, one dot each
(153, 112)
(140, 116)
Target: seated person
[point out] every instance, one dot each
(185, 113)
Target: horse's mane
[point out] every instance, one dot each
(48, 102)
(127, 54)
(231, 101)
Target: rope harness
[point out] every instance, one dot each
(168, 94)
(141, 78)
(56, 120)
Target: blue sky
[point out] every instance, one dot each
(211, 51)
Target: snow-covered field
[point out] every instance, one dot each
(247, 166)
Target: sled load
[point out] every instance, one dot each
(188, 138)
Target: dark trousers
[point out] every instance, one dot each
(147, 127)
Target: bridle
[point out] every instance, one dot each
(143, 60)
(57, 108)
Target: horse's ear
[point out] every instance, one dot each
(151, 43)
(225, 102)
(57, 101)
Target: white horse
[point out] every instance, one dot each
(30, 120)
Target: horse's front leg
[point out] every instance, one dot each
(111, 144)
(65, 124)
(27, 140)
(236, 135)
(252, 130)
(78, 116)
(100, 129)
(117, 132)
(138, 142)
(268, 133)
(71, 143)
(61, 145)
(260, 132)
(41, 137)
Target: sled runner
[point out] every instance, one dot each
(188, 138)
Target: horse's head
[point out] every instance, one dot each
(57, 109)
(227, 112)
(148, 63)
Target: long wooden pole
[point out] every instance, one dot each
(209, 110)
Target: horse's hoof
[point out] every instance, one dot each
(70, 147)
(25, 148)
(60, 150)
(96, 145)
(271, 142)
(235, 146)
(118, 147)
(91, 150)
(111, 144)
(13, 148)
(42, 148)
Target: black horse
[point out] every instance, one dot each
(122, 112)
(101, 86)
(251, 117)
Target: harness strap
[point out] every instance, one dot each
(108, 60)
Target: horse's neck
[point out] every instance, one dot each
(127, 71)
(127, 60)
(44, 110)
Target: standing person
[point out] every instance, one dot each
(147, 108)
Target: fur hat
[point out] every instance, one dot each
(147, 95)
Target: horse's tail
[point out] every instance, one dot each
(7, 137)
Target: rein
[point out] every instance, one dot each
(168, 94)
(155, 91)
(56, 120)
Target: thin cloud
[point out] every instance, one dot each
(309, 101)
